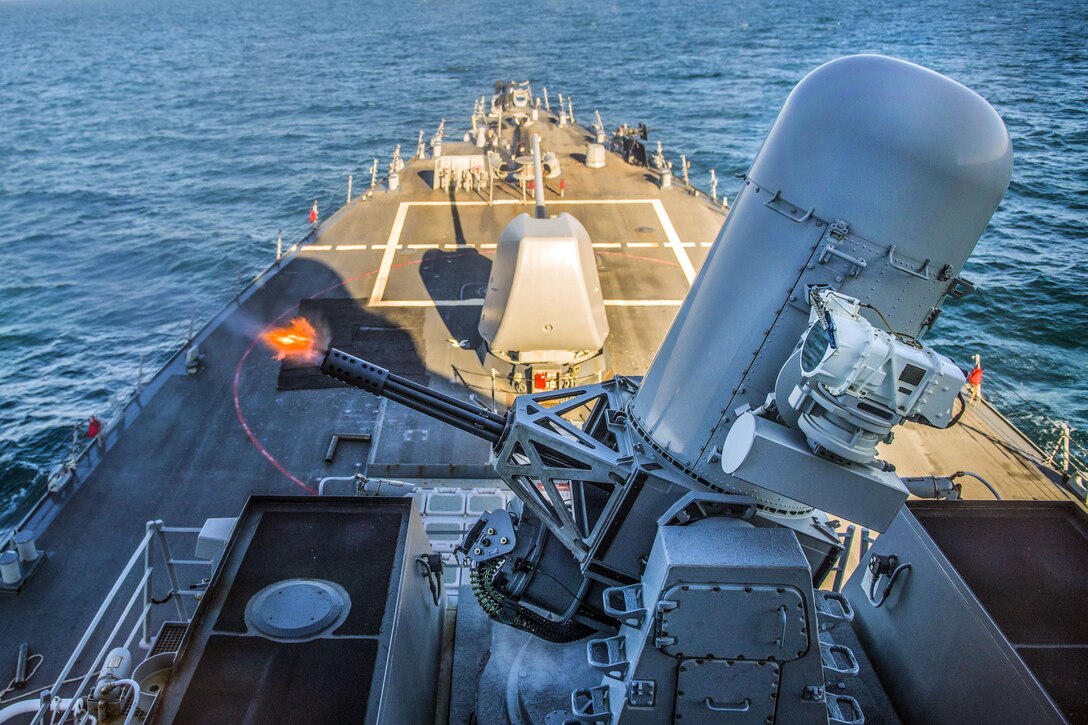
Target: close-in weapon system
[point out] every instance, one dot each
(705, 489)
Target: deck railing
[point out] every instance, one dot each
(143, 572)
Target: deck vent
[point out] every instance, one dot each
(168, 639)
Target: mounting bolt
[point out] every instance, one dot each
(504, 540)
(477, 551)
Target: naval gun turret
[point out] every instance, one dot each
(543, 318)
(701, 493)
(543, 322)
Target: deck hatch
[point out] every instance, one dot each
(358, 556)
(317, 612)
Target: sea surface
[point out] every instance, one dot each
(150, 151)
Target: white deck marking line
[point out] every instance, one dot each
(459, 246)
(422, 246)
(674, 240)
(599, 201)
(529, 202)
(387, 256)
(478, 302)
(351, 247)
(317, 248)
(642, 303)
(607, 245)
(391, 247)
(642, 245)
(706, 244)
(427, 303)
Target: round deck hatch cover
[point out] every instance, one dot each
(297, 608)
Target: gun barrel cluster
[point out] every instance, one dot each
(377, 380)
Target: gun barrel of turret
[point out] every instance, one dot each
(377, 380)
(538, 178)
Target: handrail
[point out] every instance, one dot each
(155, 530)
(94, 624)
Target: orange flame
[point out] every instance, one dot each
(297, 341)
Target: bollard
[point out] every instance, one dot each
(393, 181)
(10, 572)
(562, 112)
(666, 178)
(595, 156)
(25, 546)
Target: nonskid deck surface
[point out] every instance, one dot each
(418, 257)
(413, 264)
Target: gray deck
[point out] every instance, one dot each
(205, 443)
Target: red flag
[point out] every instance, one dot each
(94, 427)
(313, 213)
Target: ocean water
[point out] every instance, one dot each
(150, 151)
